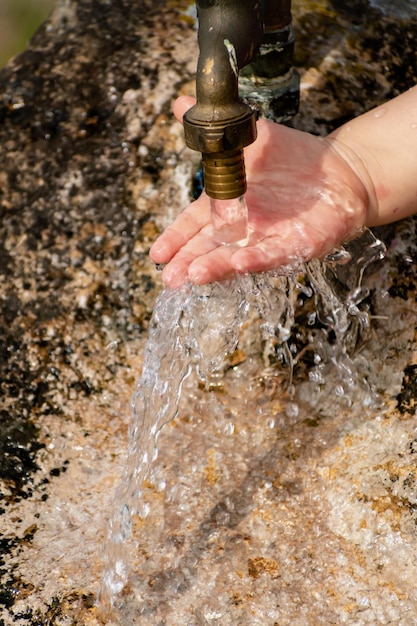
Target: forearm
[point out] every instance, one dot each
(381, 146)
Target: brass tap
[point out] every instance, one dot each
(221, 124)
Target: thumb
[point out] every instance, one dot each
(181, 106)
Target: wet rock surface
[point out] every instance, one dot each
(316, 516)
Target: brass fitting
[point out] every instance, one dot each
(224, 174)
(221, 144)
(220, 125)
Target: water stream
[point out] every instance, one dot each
(193, 329)
(230, 219)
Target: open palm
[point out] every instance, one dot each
(303, 199)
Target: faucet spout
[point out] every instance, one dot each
(220, 125)
(230, 32)
(233, 35)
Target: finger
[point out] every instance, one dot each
(186, 226)
(181, 106)
(212, 266)
(201, 261)
(269, 254)
(176, 272)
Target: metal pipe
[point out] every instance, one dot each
(270, 82)
(221, 124)
(277, 14)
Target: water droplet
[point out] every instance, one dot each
(357, 295)
(380, 112)
(291, 409)
(338, 255)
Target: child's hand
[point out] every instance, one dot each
(305, 196)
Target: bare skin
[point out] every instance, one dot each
(305, 195)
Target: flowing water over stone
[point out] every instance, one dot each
(197, 329)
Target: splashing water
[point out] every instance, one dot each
(194, 327)
(190, 326)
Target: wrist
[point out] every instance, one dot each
(357, 174)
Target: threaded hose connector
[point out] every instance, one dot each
(224, 174)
